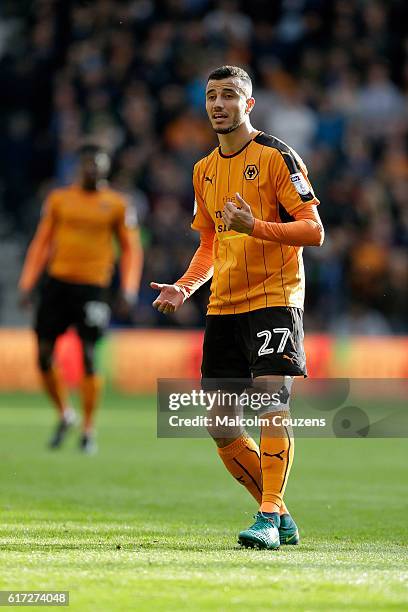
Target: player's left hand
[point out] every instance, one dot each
(125, 304)
(240, 219)
(170, 299)
(25, 299)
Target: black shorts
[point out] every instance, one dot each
(262, 342)
(62, 305)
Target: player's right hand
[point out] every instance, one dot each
(170, 299)
(25, 299)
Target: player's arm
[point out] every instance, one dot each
(37, 254)
(201, 267)
(305, 230)
(198, 272)
(131, 256)
(294, 192)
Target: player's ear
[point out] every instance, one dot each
(250, 105)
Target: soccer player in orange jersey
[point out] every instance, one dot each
(74, 242)
(255, 209)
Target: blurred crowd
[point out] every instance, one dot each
(331, 79)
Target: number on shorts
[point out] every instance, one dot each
(96, 314)
(265, 350)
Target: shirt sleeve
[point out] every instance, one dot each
(39, 250)
(201, 267)
(306, 230)
(293, 188)
(201, 217)
(49, 208)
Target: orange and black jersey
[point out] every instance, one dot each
(75, 239)
(249, 272)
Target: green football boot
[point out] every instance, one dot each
(263, 533)
(288, 531)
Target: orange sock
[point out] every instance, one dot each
(249, 460)
(241, 458)
(90, 392)
(55, 388)
(277, 450)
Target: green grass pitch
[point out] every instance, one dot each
(152, 524)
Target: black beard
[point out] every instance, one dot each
(228, 130)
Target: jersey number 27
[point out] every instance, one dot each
(267, 334)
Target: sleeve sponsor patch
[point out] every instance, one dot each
(300, 183)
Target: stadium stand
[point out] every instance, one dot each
(332, 81)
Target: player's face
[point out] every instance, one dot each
(226, 104)
(94, 167)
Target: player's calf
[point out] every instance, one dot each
(68, 420)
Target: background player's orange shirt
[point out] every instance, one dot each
(251, 273)
(84, 224)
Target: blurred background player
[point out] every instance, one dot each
(255, 209)
(74, 243)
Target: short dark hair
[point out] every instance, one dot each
(224, 72)
(90, 148)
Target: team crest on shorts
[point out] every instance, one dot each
(251, 172)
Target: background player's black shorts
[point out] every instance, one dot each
(268, 341)
(62, 305)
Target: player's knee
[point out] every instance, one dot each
(223, 434)
(89, 358)
(223, 442)
(278, 389)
